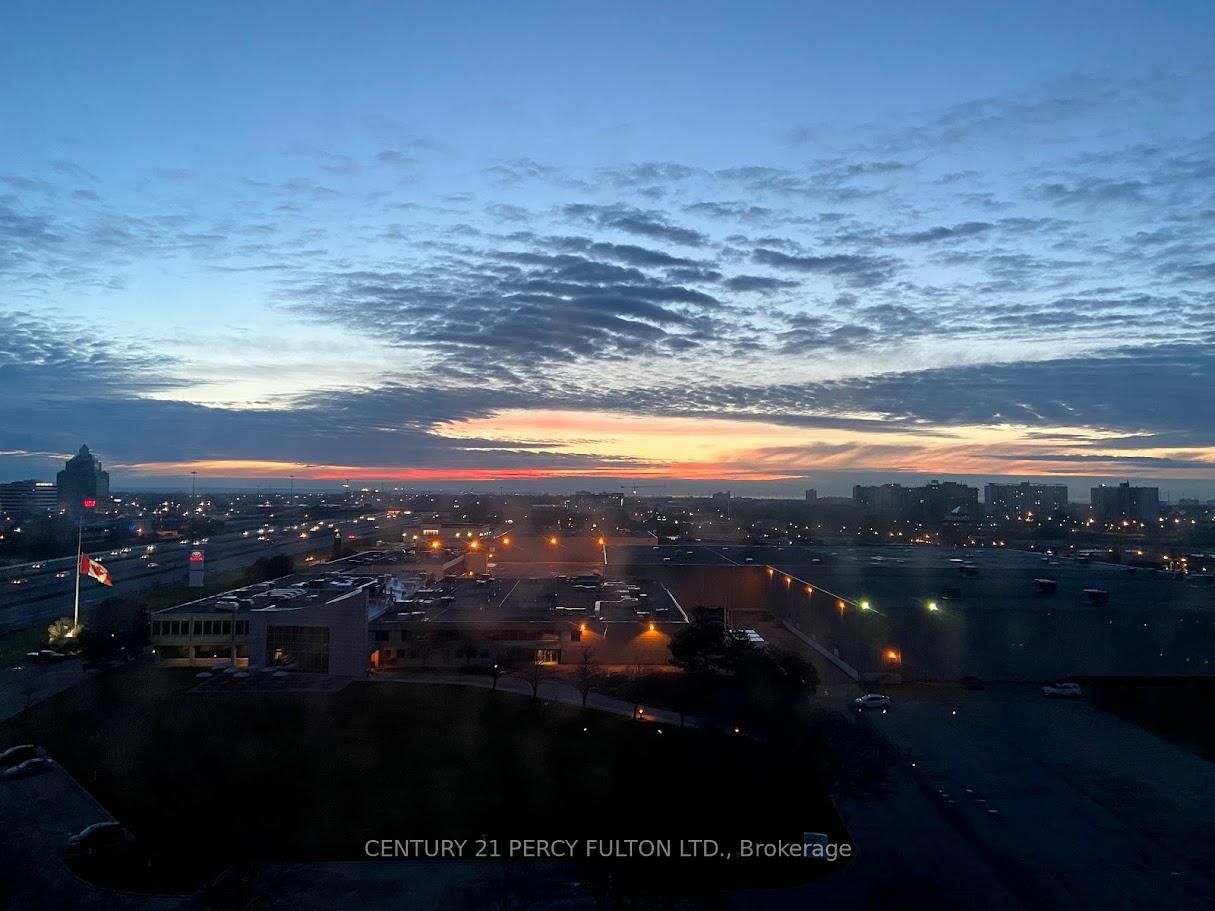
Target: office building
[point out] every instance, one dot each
(309, 624)
(28, 498)
(82, 479)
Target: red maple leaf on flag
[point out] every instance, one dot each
(90, 567)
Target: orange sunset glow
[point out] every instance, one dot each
(636, 447)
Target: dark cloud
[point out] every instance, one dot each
(72, 169)
(860, 271)
(735, 211)
(634, 221)
(1094, 192)
(515, 309)
(762, 283)
(647, 173)
(391, 158)
(631, 254)
(519, 170)
(946, 233)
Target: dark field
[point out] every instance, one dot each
(208, 780)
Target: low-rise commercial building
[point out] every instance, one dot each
(375, 612)
(310, 623)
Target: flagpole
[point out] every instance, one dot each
(79, 551)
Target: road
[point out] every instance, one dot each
(44, 591)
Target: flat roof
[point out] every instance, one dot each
(288, 592)
(561, 596)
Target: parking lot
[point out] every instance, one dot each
(932, 613)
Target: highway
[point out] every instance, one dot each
(41, 592)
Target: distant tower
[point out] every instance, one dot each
(82, 479)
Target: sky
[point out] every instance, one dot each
(760, 246)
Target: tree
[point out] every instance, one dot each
(534, 674)
(588, 672)
(119, 629)
(267, 568)
(770, 688)
(62, 632)
(703, 644)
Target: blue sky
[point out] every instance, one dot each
(778, 244)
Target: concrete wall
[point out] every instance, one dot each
(457, 644)
(345, 617)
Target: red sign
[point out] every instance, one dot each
(90, 504)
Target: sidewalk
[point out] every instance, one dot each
(548, 691)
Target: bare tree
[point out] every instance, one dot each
(27, 689)
(588, 672)
(534, 673)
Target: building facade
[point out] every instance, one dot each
(1124, 502)
(28, 498)
(929, 503)
(1017, 500)
(304, 624)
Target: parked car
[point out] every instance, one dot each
(99, 838)
(872, 701)
(14, 755)
(1062, 689)
(35, 766)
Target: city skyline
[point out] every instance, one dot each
(384, 262)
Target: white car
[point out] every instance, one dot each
(872, 701)
(1062, 689)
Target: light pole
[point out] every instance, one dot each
(79, 551)
(193, 505)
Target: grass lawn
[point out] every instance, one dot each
(14, 645)
(205, 780)
(1179, 709)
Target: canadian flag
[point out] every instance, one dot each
(90, 567)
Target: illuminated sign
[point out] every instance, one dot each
(89, 504)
